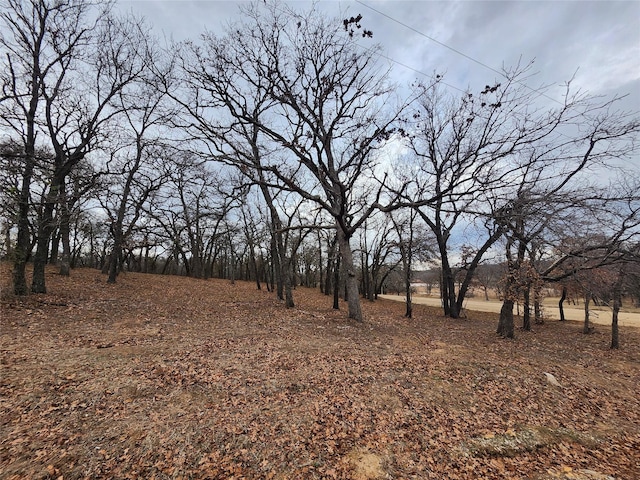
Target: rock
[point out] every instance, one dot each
(552, 380)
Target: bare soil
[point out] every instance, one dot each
(176, 378)
(600, 315)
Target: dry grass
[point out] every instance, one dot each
(167, 378)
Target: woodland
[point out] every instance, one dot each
(280, 150)
(194, 236)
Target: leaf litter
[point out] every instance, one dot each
(177, 378)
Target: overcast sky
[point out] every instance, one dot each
(598, 41)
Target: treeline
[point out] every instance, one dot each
(281, 152)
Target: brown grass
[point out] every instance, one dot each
(167, 378)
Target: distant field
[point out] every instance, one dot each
(601, 315)
(176, 378)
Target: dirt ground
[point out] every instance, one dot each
(597, 315)
(175, 378)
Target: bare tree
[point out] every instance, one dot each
(487, 276)
(473, 159)
(30, 54)
(141, 172)
(624, 281)
(592, 263)
(11, 158)
(67, 61)
(455, 168)
(140, 164)
(405, 230)
(556, 197)
(82, 183)
(379, 253)
(191, 212)
(323, 111)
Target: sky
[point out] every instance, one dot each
(596, 42)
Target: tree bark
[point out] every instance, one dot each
(408, 301)
(54, 251)
(116, 252)
(254, 266)
(587, 325)
(351, 280)
(65, 232)
(7, 239)
(336, 282)
(332, 272)
(23, 248)
(526, 317)
(561, 303)
(320, 268)
(288, 291)
(506, 325)
(537, 305)
(22, 251)
(615, 339)
(45, 229)
(449, 288)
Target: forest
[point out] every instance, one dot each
(280, 152)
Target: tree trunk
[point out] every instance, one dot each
(537, 305)
(197, 270)
(537, 312)
(448, 288)
(254, 265)
(506, 325)
(336, 282)
(561, 303)
(64, 232)
(364, 267)
(45, 229)
(526, 317)
(587, 325)
(7, 239)
(617, 304)
(65, 259)
(472, 267)
(320, 267)
(146, 268)
(615, 340)
(22, 250)
(351, 279)
(408, 302)
(277, 266)
(114, 258)
(288, 292)
(331, 264)
(55, 247)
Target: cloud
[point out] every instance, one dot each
(598, 41)
(595, 39)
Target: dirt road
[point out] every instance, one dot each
(550, 310)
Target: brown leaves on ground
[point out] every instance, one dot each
(176, 378)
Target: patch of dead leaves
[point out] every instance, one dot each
(170, 377)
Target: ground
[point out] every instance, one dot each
(601, 315)
(169, 378)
